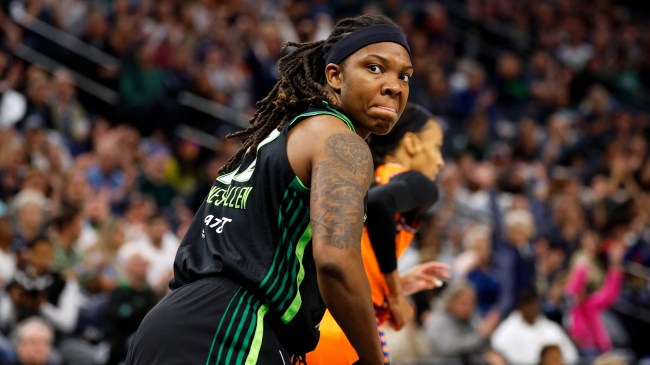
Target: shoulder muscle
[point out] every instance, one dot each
(306, 142)
(340, 179)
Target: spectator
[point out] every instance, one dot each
(515, 258)
(523, 334)
(560, 139)
(34, 343)
(551, 355)
(45, 149)
(96, 34)
(69, 117)
(550, 266)
(184, 170)
(12, 163)
(152, 180)
(38, 90)
(29, 212)
(13, 105)
(220, 79)
(136, 217)
(575, 52)
(476, 142)
(38, 289)
(64, 233)
(261, 58)
(592, 291)
(433, 92)
(141, 81)
(511, 89)
(466, 337)
(473, 94)
(76, 189)
(158, 249)
(107, 173)
(127, 305)
(475, 264)
(100, 269)
(7, 256)
(144, 93)
(568, 217)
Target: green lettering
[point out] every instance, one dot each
(232, 196)
(217, 197)
(212, 194)
(245, 198)
(239, 197)
(224, 196)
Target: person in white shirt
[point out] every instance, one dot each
(159, 249)
(521, 337)
(37, 289)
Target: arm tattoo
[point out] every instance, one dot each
(339, 184)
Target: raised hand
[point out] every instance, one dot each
(428, 275)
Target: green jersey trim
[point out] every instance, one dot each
(285, 275)
(300, 185)
(300, 252)
(254, 353)
(216, 333)
(227, 336)
(328, 110)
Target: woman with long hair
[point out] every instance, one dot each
(277, 238)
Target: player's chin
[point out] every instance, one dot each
(383, 126)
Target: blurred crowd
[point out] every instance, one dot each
(544, 213)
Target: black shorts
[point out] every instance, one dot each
(211, 321)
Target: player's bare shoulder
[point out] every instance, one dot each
(326, 137)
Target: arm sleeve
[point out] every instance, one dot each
(7, 311)
(506, 274)
(406, 192)
(64, 315)
(610, 291)
(577, 281)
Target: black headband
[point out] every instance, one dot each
(363, 37)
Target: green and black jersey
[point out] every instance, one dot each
(254, 228)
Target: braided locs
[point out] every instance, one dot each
(301, 83)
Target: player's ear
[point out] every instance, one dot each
(411, 143)
(333, 74)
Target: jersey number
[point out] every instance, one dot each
(218, 223)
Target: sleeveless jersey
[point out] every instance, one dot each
(254, 228)
(403, 237)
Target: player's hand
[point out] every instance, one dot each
(400, 311)
(428, 275)
(489, 323)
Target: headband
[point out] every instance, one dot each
(364, 37)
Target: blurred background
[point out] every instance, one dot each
(113, 115)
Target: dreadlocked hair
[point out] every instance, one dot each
(301, 83)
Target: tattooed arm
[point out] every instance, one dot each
(339, 179)
(339, 184)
